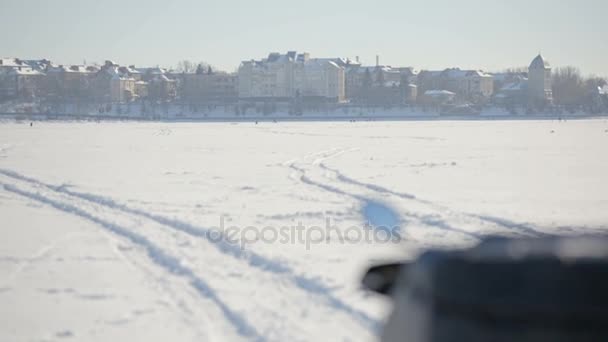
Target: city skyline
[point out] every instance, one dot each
(473, 35)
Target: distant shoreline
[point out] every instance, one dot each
(301, 118)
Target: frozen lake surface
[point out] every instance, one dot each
(237, 231)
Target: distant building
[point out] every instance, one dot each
(160, 84)
(539, 81)
(468, 85)
(113, 83)
(286, 77)
(162, 88)
(141, 89)
(380, 85)
(320, 79)
(69, 83)
(512, 92)
(209, 88)
(19, 80)
(147, 74)
(438, 97)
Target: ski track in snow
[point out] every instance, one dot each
(252, 259)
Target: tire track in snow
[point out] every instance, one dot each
(253, 259)
(169, 263)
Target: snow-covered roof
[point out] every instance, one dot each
(319, 63)
(152, 71)
(408, 70)
(540, 63)
(515, 86)
(115, 72)
(83, 69)
(343, 62)
(11, 62)
(24, 71)
(129, 69)
(276, 57)
(383, 68)
(161, 78)
(439, 93)
(78, 68)
(16, 66)
(457, 73)
(38, 64)
(479, 73)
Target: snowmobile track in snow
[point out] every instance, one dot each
(314, 172)
(71, 202)
(168, 262)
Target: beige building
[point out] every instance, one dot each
(141, 89)
(111, 84)
(70, 82)
(159, 83)
(466, 84)
(20, 80)
(162, 88)
(209, 88)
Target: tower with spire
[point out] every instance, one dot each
(539, 81)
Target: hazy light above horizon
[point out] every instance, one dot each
(426, 35)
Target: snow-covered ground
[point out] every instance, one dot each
(237, 231)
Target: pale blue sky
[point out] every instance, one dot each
(484, 34)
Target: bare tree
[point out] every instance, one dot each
(568, 86)
(516, 70)
(186, 66)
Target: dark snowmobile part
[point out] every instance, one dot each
(381, 278)
(525, 290)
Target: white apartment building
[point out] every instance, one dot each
(320, 78)
(284, 77)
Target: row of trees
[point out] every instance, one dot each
(188, 67)
(570, 88)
